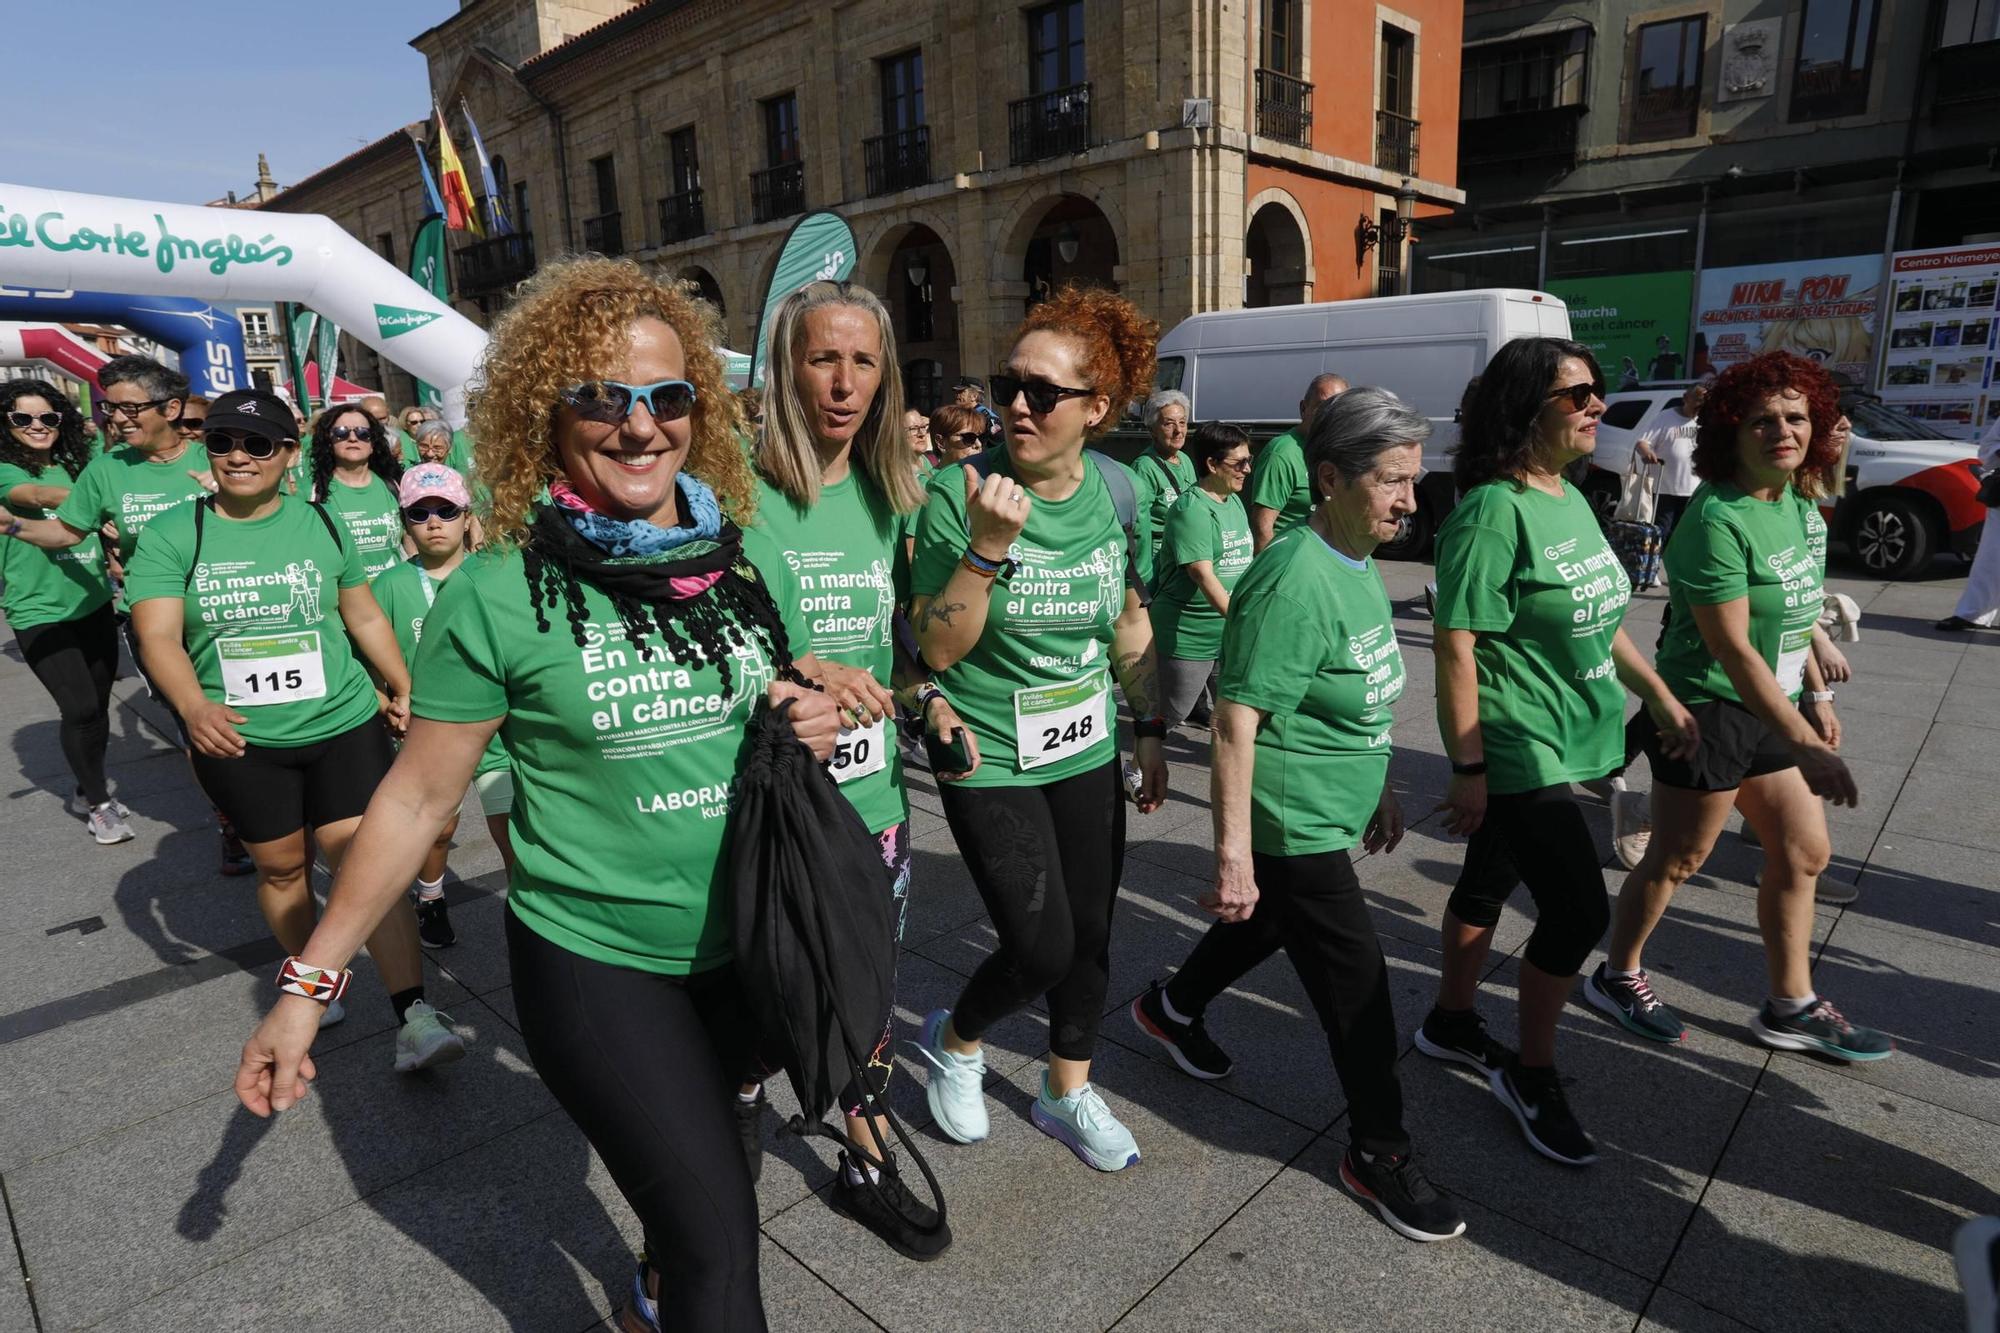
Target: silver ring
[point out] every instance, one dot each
(1017, 496)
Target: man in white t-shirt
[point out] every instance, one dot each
(1670, 443)
(1979, 606)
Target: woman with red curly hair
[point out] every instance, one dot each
(1028, 605)
(1745, 567)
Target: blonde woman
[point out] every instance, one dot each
(604, 395)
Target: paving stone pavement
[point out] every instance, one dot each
(1737, 1189)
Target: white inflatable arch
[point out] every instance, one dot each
(55, 240)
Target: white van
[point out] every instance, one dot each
(1251, 366)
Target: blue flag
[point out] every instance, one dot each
(430, 182)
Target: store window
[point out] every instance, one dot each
(1835, 56)
(1666, 87)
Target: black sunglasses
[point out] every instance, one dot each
(1579, 394)
(969, 437)
(339, 433)
(419, 513)
(222, 443)
(26, 419)
(190, 425)
(1042, 396)
(609, 402)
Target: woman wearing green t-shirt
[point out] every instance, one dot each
(1206, 549)
(1164, 472)
(355, 471)
(621, 647)
(1028, 606)
(1746, 569)
(59, 601)
(244, 605)
(834, 483)
(1532, 668)
(1311, 673)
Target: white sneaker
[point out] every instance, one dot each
(108, 826)
(1605, 789)
(425, 1041)
(1631, 826)
(334, 1015)
(79, 805)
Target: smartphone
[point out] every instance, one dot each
(952, 756)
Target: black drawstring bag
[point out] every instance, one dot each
(814, 929)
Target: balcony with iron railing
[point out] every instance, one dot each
(1396, 142)
(1047, 125)
(604, 234)
(778, 192)
(900, 160)
(1284, 108)
(681, 217)
(262, 345)
(495, 263)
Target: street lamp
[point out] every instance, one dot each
(1067, 243)
(915, 269)
(1370, 234)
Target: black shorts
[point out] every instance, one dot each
(131, 635)
(1735, 745)
(272, 792)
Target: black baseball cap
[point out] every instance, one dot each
(254, 412)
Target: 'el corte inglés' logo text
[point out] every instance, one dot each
(391, 320)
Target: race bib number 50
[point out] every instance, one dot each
(1054, 722)
(271, 669)
(859, 751)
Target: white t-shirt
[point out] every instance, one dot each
(1672, 438)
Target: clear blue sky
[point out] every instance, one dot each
(171, 101)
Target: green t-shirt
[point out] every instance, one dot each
(1311, 641)
(40, 587)
(262, 617)
(458, 458)
(123, 487)
(372, 518)
(1532, 575)
(624, 765)
(839, 574)
(1162, 481)
(1727, 545)
(1039, 678)
(906, 525)
(405, 593)
(1198, 528)
(1279, 482)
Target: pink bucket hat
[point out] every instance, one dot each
(433, 479)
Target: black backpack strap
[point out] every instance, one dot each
(1125, 503)
(201, 508)
(331, 531)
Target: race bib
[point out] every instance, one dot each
(271, 669)
(860, 751)
(1793, 645)
(1054, 722)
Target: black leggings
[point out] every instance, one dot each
(637, 1061)
(76, 661)
(1538, 838)
(1046, 861)
(1312, 908)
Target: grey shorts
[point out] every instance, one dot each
(1182, 683)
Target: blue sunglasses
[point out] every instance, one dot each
(609, 402)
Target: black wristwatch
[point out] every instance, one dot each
(924, 694)
(1471, 770)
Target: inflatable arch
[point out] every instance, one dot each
(39, 346)
(208, 341)
(57, 241)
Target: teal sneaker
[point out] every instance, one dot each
(1822, 1030)
(956, 1091)
(1082, 1123)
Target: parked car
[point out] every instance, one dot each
(1911, 489)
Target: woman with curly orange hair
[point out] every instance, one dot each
(1746, 566)
(1028, 605)
(620, 645)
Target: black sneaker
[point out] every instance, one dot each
(1189, 1043)
(1835, 892)
(434, 924)
(1631, 1001)
(911, 1227)
(1535, 1096)
(1399, 1192)
(1822, 1030)
(1461, 1036)
(750, 1128)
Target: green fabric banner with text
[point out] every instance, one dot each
(427, 268)
(820, 248)
(1635, 323)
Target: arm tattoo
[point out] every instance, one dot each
(940, 613)
(1138, 676)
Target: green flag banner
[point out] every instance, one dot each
(328, 357)
(819, 249)
(427, 267)
(299, 323)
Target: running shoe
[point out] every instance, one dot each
(1631, 1001)
(750, 1128)
(908, 1225)
(1397, 1189)
(108, 826)
(434, 924)
(425, 1040)
(1082, 1123)
(1462, 1037)
(1823, 1030)
(642, 1313)
(79, 805)
(1606, 788)
(235, 858)
(1631, 827)
(1956, 625)
(1536, 1098)
(1976, 1251)
(1189, 1043)
(334, 1015)
(1835, 892)
(956, 1090)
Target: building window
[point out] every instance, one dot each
(1395, 113)
(781, 130)
(1969, 21)
(1510, 78)
(256, 324)
(523, 222)
(604, 175)
(1055, 46)
(683, 161)
(902, 92)
(1666, 96)
(385, 246)
(1835, 56)
(1282, 37)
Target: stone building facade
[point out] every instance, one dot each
(1195, 154)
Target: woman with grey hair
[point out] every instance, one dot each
(1310, 672)
(1164, 472)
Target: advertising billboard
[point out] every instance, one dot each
(1822, 309)
(1938, 361)
(1636, 323)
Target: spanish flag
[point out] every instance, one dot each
(459, 212)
